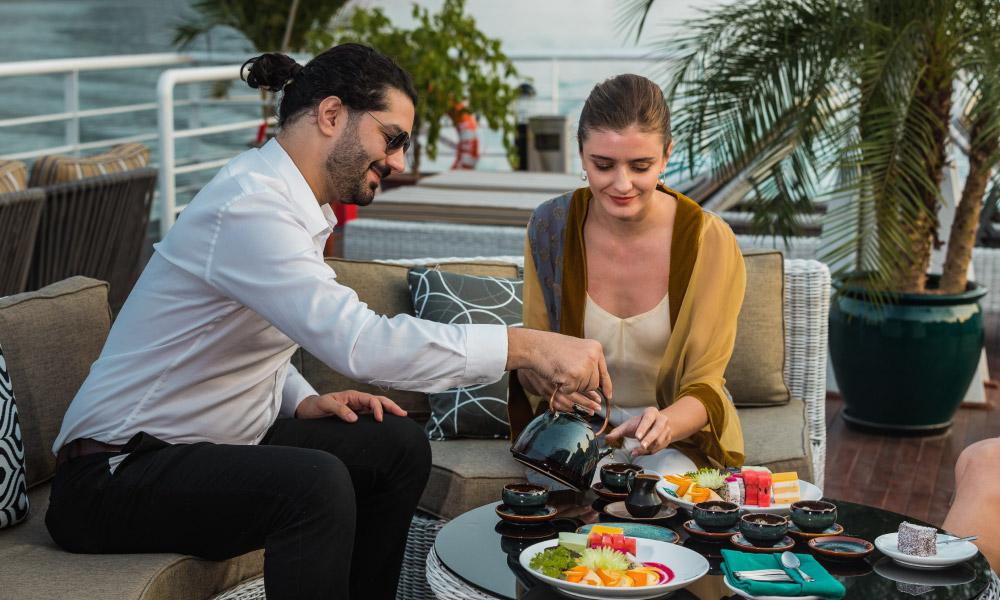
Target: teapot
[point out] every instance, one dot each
(562, 445)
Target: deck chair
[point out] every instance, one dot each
(19, 215)
(95, 227)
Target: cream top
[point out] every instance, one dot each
(633, 348)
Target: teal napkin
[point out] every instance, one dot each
(825, 585)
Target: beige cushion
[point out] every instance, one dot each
(50, 338)
(13, 176)
(33, 567)
(776, 437)
(384, 288)
(468, 473)
(755, 374)
(58, 168)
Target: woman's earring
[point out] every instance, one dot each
(583, 175)
(662, 178)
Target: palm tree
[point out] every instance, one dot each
(269, 25)
(855, 93)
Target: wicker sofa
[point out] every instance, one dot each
(51, 336)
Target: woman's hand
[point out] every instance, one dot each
(346, 405)
(651, 428)
(538, 385)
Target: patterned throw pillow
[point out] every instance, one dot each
(13, 176)
(478, 411)
(13, 490)
(57, 168)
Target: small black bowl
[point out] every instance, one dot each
(715, 515)
(524, 498)
(813, 515)
(763, 529)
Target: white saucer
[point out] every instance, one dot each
(743, 594)
(947, 555)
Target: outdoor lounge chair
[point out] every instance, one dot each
(19, 215)
(95, 227)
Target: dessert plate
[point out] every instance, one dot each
(947, 555)
(838, 547)
(639, 530)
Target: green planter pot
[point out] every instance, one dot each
(906, 365)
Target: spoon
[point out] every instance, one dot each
(791, 561)
(965, 539)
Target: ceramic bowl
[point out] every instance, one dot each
(715, 515)
(763, 529)
(615, 476)
(524, 498)
(813, 515)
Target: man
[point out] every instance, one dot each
(194, 434)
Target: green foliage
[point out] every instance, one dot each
(451, 63)
(262, 22)
(795, 94)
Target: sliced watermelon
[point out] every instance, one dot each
(606, 540)
(594, 541)
(618, 542)
(630, 545)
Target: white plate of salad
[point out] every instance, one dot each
(664, 566)
(807, 491)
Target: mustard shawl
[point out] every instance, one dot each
(706, 287)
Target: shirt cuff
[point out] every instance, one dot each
(486, 352)
(293, 392)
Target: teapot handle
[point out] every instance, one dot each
(581, 412)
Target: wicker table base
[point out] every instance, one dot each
(447, 586)
(250, 590)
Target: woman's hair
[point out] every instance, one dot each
(623, 101)
(356, 74)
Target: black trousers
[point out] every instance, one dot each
(329, 501)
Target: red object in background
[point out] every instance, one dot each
(344, 213)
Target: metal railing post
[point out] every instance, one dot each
(165, 128)
(71, 100)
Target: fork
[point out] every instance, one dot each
(763, 575)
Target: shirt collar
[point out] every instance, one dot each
(319, 219)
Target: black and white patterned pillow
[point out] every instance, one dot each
(13, 490)
(478, 411)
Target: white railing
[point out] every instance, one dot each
(184, 69)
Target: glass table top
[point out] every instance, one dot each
(483, 550)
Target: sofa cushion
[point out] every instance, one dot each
(13, 176)
(477, 411)
(58, 168)
(50, 338)
(33, 567)
(777, 437)
(755, 374)
(468, 473)
(13, 491)
(383, 287)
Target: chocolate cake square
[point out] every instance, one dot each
(917, 540)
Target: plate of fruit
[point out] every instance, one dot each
(754, 489)
(581, 566)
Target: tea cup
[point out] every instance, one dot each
(524, 498)
(617, 477)
(763, 529)
(813, 515)
(715, 515)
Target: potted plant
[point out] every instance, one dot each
(456, 69)
(860, 95)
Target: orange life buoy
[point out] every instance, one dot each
(467, 152)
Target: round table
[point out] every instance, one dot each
(476, 556)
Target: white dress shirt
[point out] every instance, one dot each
(201, 349)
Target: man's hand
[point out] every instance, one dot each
(576, 365)
(540, 386)
(651, 428)
(346, 405)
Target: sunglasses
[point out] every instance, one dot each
(400, 140)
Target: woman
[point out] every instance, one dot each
(647, 273)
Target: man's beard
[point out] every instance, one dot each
(347, 168)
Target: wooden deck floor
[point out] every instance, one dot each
(914, 476)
